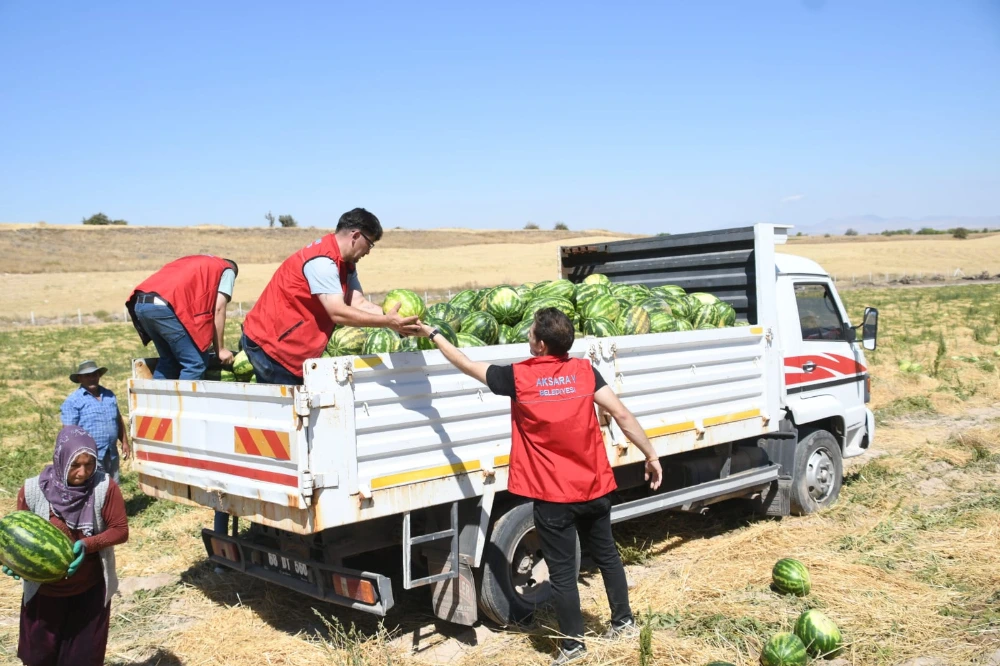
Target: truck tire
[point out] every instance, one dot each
(514, 579)
(818, 473)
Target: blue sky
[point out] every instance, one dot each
(634, 116)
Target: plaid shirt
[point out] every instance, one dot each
(98, 417)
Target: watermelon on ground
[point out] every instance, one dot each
(34, 548)
(446, 330)
(784, 649)
(634, 321)
(346, 341)
(505, 305)
(381, 341)
(448, 313)
(242, 367)
(600, 327)
(466, 340)
(481, 325)
(819, 634)
(465, 299)
(790, 576)
(596, 278)
(410, 305)
(604, 307)
(557, 288)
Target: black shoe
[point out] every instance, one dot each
(568, 656)
(626, 629)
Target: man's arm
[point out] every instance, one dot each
(609, 402)
(346, 315)
(69, 414)
(225, 356)
(359, 301)
(475, 369)
(123, 437)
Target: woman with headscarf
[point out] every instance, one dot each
(66, 623)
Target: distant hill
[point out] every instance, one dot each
(873, 224)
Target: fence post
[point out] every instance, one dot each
(32, 317)
(239, 308)
(79, 317)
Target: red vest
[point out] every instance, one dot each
(557, 450)
(288, 321)
(190, 286)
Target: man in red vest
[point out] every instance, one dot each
(312, 292)
(558, 459)
(182, 309)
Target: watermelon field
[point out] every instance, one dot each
(906, 565)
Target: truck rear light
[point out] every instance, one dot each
(358, 589)
(225, 549)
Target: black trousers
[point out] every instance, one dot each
(557, 526)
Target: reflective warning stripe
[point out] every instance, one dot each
(155, 429)
(259, 442)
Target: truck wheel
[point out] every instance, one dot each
(818, 473)
(514, 578)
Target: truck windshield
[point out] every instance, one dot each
(818, 314)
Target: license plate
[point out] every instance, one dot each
(287, 566)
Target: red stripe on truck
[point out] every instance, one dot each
(224, 468)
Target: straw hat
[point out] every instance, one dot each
(86, 368)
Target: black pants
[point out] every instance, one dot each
(558, 525)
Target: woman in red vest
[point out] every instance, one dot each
(182, 309)
(558, 459)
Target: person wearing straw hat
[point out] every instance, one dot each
(95, 409)
(66, 622)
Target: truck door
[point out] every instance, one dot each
(821, 357)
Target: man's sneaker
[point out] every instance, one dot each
(568, 656)
(626, 629)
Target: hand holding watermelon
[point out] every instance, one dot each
(9, 572)
(80, 551)
(400, 324)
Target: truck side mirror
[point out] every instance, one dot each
(869, 329)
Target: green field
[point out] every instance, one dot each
(906, 563)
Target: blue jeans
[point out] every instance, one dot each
(180, 358)
(267, 370)
(110, 463)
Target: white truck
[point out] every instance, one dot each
(392, 468)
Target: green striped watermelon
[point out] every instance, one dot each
(669, 290)
(585, 292)
(466, 340)
(523, 290)
(381, 341)
(242, 367)
(783, 649)
(662, 322)
(706, 316)
(791, 577)
(561, 304)
(410, 305)
(521, 331)
(680, 307)
(410, 343)
(506, 336)
(346, 341)
(683, 325)
(446, 330)
(481, 325)
(465, 299)
(704, 298)
(557, 288)
(447, 313)
(655, 304)
(596, 278)
(819, 634)
(505, 305)
(726, 313)
(634, 321)
(34, 548)
(600, 327)
(605, 307)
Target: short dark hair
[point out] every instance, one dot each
(555, 329)
(363, 221)
(236, 269)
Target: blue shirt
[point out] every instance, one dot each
(98, 417)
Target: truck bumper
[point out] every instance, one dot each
(361, 590)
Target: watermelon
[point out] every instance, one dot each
(585, 292)
(242, 367)
(791, 577)
(521, 330)
(726, 314)
(410, 305)
(679, 306)
(706, 326)
(655, 304)
(783, 649)
(466, 340)
(34, 548)
(507, 335)
(634, 321)
(705, 314)
(819, 634)
(523, 290)
(596, 278)
(253, 379)
(600, 327)
(227, 376)
(446, 330)
(683, 325)
(619, 289)
(480, 304)
(558, 288)
(465, 299)
(346, 341)
(604, 307)
(561, 304)
(382, 341)
(481, 325)
(661, 322)
(668, 290)
(448, 313)
(741, 322)
(410, 343)
(704, 298)
(505, 305)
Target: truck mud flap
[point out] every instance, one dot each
(360, 590)
(730, 485)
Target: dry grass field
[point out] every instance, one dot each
(907, 563)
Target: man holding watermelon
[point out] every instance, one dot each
(558, 460)
(312, 292)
